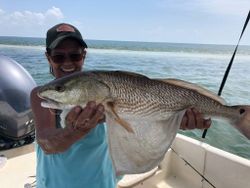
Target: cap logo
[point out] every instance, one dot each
(65, 28)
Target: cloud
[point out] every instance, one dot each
(27, 23)
(54, 13)
(1, 12)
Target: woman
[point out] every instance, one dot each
(76, 156)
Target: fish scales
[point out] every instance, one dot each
(141, 95)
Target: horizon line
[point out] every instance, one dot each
(115, 40)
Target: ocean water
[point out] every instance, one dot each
(198, 63)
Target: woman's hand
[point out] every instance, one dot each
(194, 120)
(85, 119)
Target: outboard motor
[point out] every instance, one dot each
(16, 119)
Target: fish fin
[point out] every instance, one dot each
(145, 149)
(192, 86)
(243, 123)
(119, 120)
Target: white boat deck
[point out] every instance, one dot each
(221, 169)
(19, 168)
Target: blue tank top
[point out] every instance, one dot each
(85, 164)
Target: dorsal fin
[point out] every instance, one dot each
(192, 86)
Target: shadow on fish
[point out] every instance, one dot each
(143, 115)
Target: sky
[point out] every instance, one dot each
(181, 21)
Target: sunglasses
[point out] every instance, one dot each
(59, 58)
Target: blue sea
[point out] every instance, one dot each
(203, 64)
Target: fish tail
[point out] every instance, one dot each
(243, 123)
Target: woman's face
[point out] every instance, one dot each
(68, 57)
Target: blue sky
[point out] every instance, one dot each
(182, 21)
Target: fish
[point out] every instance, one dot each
(143, 114)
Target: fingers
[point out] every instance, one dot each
(199, 120)
(191, 119)
(184, 122)
(194, 119)
(87, 112)
(87, 118)
(98, 115)
(72, 116)
(207, 123)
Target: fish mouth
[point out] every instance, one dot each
(49, 103)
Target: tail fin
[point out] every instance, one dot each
(243, 124)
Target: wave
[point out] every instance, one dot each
(38, 47)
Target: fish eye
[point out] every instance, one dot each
(59, 88)
(242, 111)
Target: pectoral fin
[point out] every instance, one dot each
(120, 121)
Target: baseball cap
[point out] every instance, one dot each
(60, 32)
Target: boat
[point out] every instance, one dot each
(189, 163)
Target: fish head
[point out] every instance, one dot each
(75, 89)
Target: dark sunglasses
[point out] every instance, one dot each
(72, 56)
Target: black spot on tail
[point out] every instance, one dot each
(242, 111)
